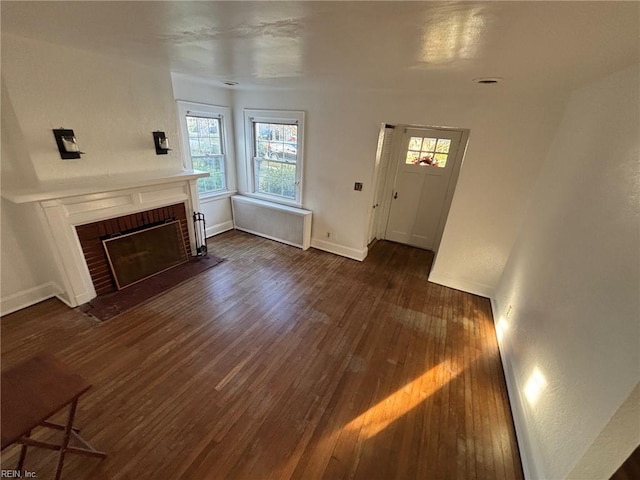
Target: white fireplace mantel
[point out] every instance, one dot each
(63, 206)
(84, 186)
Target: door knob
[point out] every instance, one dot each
(395, 195)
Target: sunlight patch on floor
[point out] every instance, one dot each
(399, 403)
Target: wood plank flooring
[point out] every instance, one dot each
(282, 364)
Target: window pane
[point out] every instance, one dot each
(205, 148)
(277, 132)
(192, 126)
(291, 133)
(262, 149)
(429, 144)
(415, 143)
(194, 147)
(203, 127)
(263, 131)
(276, 147)
(443, 145)
(282, 141)
(412, 157)
(426, 158)
(428, 151)
(275, 178)
(441, 159)
(273, 144)
(283, 151)
(213, 164)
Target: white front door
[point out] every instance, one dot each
(425, 162)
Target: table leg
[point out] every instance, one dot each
(65, 439)
(23, 453)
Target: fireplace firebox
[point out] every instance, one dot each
(149, 250)
(138, 255)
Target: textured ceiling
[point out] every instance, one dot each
(409, 46)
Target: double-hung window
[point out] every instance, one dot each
(204, 134)
(274, 141)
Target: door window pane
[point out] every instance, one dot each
(443, 145)
(415, 143)
(429, 144)
(412, 157)
(441, 159)
(428, 151)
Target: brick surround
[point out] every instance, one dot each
(92, 234)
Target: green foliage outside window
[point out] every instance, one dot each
(213, 165)
(276, 178)
(276, 150)
(205, 148)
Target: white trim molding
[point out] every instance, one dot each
(461, 284)
(337, 249)
(18, 301)
(218, 228)
(516, 401)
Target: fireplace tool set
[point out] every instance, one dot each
(199, 229)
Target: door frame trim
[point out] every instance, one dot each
(453, 180)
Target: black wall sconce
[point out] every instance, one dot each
(161, 142)
(67, 143)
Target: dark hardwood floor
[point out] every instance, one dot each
(630, 469)
(281, 364)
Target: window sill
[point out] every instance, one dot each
(210, 197)
(272, 199)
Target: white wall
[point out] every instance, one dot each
(573, 280)
(27, 273)
(510, 135)
(103, 98)
(613, 443)
(217, 210)
(112, 105)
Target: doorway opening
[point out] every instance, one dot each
(416, 172)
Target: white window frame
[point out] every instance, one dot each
(291, 117)
(226, 124)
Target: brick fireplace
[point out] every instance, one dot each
(77, 216)
(91, 236)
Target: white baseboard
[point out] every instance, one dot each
(341, 250)
(218, 228)
(26, 298)
(516, 402)
(495, 309)
(461, 284)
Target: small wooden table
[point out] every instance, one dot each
(33, 391)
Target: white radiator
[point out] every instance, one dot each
(277, 222)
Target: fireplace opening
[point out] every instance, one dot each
(92, 235)
(143, 253)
